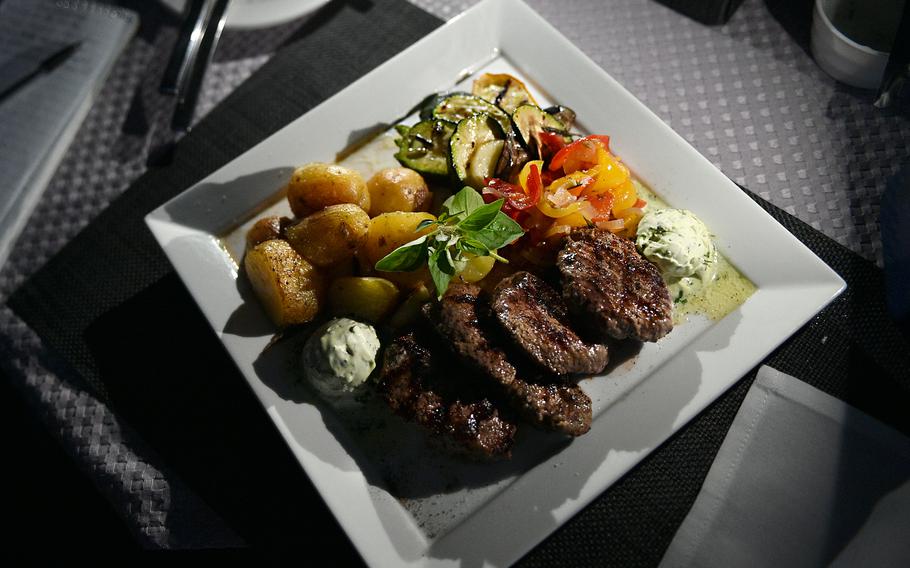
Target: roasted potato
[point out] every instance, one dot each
(288, 287)
(477, 268)
(266, 229)
(330, 236)
(391, 230)
(409, 310)
(388, 232)
(398, 189)
(338, 270)
(362, 297)
(315, 186)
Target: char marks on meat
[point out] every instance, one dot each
(474, 427)
(536, 318)
(457, 318)
(609, 284)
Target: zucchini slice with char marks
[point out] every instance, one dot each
(457, 107)
(424, 147)
(502, 90)
(429, 104)
(475, 149)
(564, 114)
(530, 120)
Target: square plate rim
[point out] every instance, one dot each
(160, 222)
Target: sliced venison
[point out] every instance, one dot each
(534, 315)
(461, 320)
(612, 287)
(471, 424)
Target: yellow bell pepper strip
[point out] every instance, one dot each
(565, 189)
(630, 218)
(624, 196)
(564, 225)
(575, 183)
(610, 171)
(557, 212)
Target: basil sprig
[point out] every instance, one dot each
(466, 227)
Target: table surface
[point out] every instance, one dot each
(746, 94)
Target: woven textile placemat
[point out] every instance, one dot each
(111, 307)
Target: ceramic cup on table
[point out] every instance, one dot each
(851, 39)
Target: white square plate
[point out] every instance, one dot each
(400, 503)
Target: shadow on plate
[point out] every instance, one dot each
(625, 429)
(441, 491)
(231, 200)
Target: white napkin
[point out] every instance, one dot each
(802, 479)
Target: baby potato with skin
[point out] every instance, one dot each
(266, 229)
(315, 186)
(398, 189)
(288, 287)
(391, 230)
(330, 236)
(366, 298)
(388, 232)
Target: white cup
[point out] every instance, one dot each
(851, 38)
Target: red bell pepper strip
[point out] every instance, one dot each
(549, 144)
(515, 197)
(602, 203)
(582, 145)
(535, 186)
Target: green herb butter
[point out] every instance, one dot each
(681, 247)
(340, 356)
(700, 279)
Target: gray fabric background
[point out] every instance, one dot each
(746, 94)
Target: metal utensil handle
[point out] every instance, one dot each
(187, 98)
(185, 48)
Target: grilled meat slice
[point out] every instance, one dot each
(457, 318)
(461, 320)
(609, 284)
(473, 426)
(554, 406)
(536, 318)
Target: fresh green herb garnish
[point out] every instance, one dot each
(466, 227)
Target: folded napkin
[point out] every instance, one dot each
(802, 479)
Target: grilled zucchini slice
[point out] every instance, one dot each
(424, 147)
(460, 106)
(502, 90)
(475, 148)
(530, 120)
